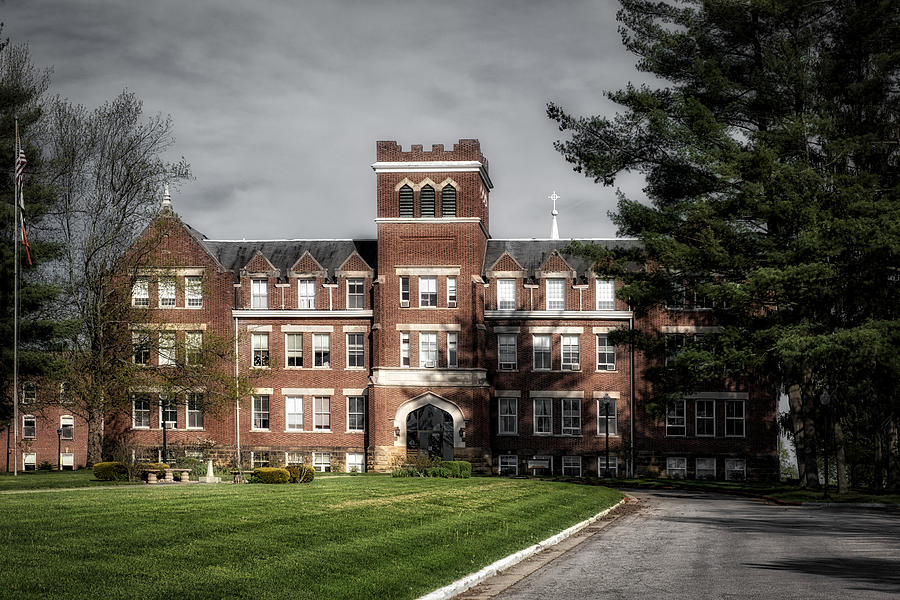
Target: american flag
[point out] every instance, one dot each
(20, 169)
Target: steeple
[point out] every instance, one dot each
(554, 228)
(167, 200)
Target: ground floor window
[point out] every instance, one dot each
(509, 464)
(322, 462)
(735, 469)
(292, 457)
(571, 465)
(259, 459)
(706, 468)
(67, 461)
(356, 462)
(613, 466)
(676, 467)
(541, 465)
(29, 461)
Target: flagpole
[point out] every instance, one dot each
(15, 448)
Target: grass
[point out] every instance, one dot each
(33, 480)
(341, 537)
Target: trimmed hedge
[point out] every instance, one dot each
(271, 475)
(458, 468)
(110, 471)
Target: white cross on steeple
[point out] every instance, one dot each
(554, 229)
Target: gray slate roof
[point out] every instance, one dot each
(533, 253)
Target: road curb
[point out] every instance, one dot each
(469, 581)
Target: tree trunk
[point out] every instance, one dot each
(893, 454)
(95, 440)
(804, 438)
(878, 461)
(840, 458)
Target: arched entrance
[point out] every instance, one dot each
(429, 429)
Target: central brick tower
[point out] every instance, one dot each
(429, 390)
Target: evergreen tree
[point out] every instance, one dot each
(770, 151)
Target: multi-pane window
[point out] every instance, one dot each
(606, 353)
(448, 201)
(571, 466)
(293, 457)
(29, 427)
(322, 350)
(508, 416)
(29, 461)
(406, 201)
(322, 462)
(356, 298)
(260, 412)
(141, 412)
(260, 349)
(356, 462)
(193, 292)
(451, 292)
(167, 292)
(140, 292)
(702, 301)
(427, 291)
(506, 294)
(259, 459)
(677, 296)
(29, 392)
(674, 345)
(735, 469)
(452, 349)
(606, 294)
(404, 291)
(612, 468)
(607, 419)
(67, 424)
(404, 349)
(543, 416)
(506, 351)
(293, 349)
(259, 293)
(356, 413)
(571, 416)
(168, 412)
(306, 293)
(509, 464)
(294, 413)
(193, 347)
(195, 411)
(426, 201)
(734, 418)
(571, 353)
(675, 419)
(556, 294)
(140, 344)
(166, 348)
(676, 467)
(706, 468)
(355, 350)
(427, 349)
(705, 412)
(542, 352)
(322, 413)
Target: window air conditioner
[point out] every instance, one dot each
(170, 424)
(404, 304)
(507, 366)
(429, 364)
(451, 303)
(572, 367)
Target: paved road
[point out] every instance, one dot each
(686, 545)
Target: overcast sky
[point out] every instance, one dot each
(277, 105)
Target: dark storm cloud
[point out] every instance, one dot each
(277, 106)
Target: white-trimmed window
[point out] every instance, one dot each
(166, 348)
(166, 292)
(404, 349)
(735, 469)
(427, 349)
(259, 459)
(508, 413)
(356, 413)
(260, 342)
(571, 466)
(571, 416)
(29, 392)
(607, 419)
(67, 460)
(140, 292)
(293, 406)
(355, 351)
(606, 294)
(404, 291)
(543, 354)
(606, 353)
(705, 416)
(193, 347)
(193, 292)
(706, 468)
(734, 418)
(29, 427)
(676, 467)
(293, 457)
(356, 462)
(675, 419)
(168, 412)
(140, 344)
(556, 293)
(259, 293)
(64, 396)
(29, 461)
(322, 350)
(613, 466)
(322, 462)
(507, 351)
(677, 298)
(451, 292)
(427, 291)
(261, 412)
(356, 298)
(293, 349)
(140, 412)
(542, 459)
(306, 293)
(571, 353)
(322, 413)
(195, 411)
(543, 416)
(674, 345)
(67, 424)
(506, 294)
(508, 464)
(452, 350)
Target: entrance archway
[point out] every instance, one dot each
(430, 430)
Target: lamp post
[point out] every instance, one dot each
(59, 449)
(825, 399)
(606, 400)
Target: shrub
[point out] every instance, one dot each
(293, 473)
(271, 475)
(458, 468)
(405, 472)
(308, 473)
(110, 471)
(441, 471)
(45, 466)
(159, 468)
(196, 466)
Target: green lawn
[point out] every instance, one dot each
(342, 537)
(32, 480)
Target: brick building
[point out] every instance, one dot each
(433, 337)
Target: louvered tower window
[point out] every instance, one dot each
(448, 201)
(427, 199)
(406, 201)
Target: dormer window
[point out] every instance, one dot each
(406, 201)
(426, 200)
(306, 293)
(259, 293)
(356, 294)
(448, 201)
(556, 294)
(506, 294)
(606, 294)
